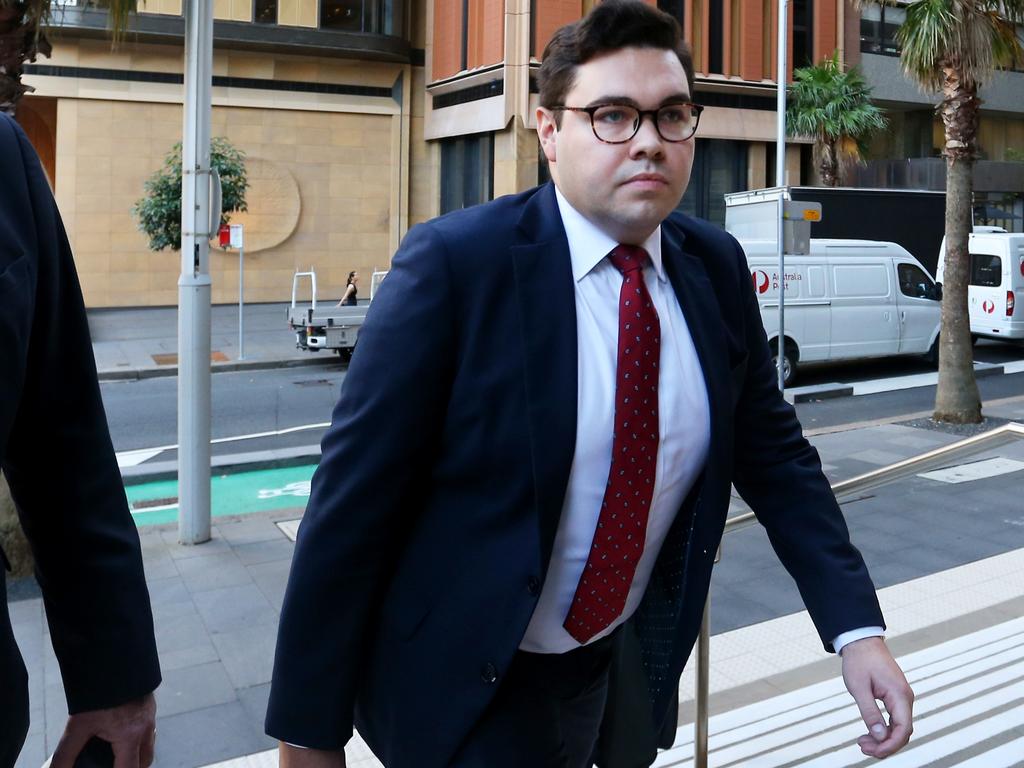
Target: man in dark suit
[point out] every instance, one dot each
(535, 444)
(56, 454)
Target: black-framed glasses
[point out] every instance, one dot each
(618, 123)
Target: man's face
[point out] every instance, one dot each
(627, 189)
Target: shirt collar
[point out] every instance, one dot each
(588, 245)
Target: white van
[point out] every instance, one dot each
(996, 283)
(846, 300)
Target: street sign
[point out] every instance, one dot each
(235, 240)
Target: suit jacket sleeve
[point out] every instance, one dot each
(58, 457)
(778, 473)
(375, 462)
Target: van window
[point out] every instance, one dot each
(914, 282)
(860, 280)
(986, 270)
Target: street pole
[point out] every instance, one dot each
(194, 283)
(780, 179)
(241, 304)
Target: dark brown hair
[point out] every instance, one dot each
(611, 26)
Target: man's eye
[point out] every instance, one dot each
(672, 115)
(612, 115)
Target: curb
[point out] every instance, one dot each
(226, 464)
(835, 390)
(136, 374)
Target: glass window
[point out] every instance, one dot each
(467, 171)
(878, 27)
(803, 40)
(719, 167)
(914, 282)
(372, 16)
(986, 270)
(264, 11)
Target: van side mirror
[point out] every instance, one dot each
(937, 292)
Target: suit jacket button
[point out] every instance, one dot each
(489, 674)
(533, 585)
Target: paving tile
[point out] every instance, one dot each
(247, 654)
(192, 656)
(272, 578)
(191, 688)
(265, 551)
(255, 699)
(186, 630)
(221, 569)
(232, 608)
(187, 551)
(249, 531)
(205, 736)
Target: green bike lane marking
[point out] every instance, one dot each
(241, 493)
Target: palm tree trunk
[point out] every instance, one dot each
(829, 164)
(21, 41)
(12, 538)
(957, 399)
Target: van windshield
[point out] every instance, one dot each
(986, 270)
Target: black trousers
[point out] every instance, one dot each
(13, 688)
(546, 713)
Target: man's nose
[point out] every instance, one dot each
(647, 140)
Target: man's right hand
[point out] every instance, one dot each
(297, 757)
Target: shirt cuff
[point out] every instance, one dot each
(856, 634)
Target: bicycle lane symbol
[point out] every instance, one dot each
(299, 489)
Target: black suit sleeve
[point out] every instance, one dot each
(778, 473)
(373, 470)
(57, 455)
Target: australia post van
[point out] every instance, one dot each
(995, 292)
(846, 300)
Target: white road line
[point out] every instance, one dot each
(974, 470)
(129, 457)
(1017, 366)
(1003, 756)
(894, 383)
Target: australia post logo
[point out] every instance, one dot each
(761, 281)
(989, 306)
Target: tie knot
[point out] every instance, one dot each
(628, 258)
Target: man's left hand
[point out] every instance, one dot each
(871, 673)
(130, 728)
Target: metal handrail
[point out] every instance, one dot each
(938, 457)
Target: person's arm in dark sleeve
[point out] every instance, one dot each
(373, 475)
(778, 473)
(60, 462)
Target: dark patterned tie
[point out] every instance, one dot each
(622, 525)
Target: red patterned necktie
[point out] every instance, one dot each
(622, 525)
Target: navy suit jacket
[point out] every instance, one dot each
(55, 452)
(434, 509)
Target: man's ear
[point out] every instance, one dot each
(547, 132)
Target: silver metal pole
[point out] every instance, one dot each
(780, 177)
(700, 724)
(194, 283)
(241, 305)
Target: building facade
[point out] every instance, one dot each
(360, 118)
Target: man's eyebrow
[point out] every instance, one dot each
(629, 101)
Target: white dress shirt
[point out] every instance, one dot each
(684, 429)
(684, 424)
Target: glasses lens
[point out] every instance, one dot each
(615, 122)
(677, 122)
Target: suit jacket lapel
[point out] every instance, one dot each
(703, 316)
(547, 311)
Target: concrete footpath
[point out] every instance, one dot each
(946, 557)
(143, 342)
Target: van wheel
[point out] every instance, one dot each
(932, 355)
(789, 358)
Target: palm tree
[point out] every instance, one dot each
(23, 37)
(835, 108)
(953, 46)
